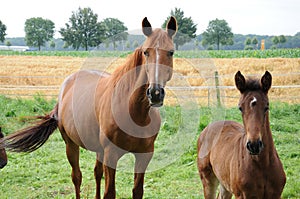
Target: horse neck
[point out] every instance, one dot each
(139, 104)
(267, 136)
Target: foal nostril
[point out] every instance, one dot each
(255, 147)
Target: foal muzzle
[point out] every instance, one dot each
(156, 95)
(255, 147)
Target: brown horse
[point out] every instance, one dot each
(3, 156)
(242, 158)
(110, 114)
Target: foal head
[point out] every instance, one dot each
(3, 157)
(254, 105)
(158, 50)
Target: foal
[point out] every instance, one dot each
(242, 158)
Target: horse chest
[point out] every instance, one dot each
(256, 181)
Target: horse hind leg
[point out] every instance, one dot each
(98, 173)
(72, 151)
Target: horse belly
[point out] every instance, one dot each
(77, 109)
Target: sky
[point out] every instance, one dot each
(262, 17)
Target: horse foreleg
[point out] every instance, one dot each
(98, 173)
(141, 163)
(72, 151)
(111, 157)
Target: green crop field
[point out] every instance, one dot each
(45, 173)
(284, 53)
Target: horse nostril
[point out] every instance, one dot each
(148, 93)
(162, 92)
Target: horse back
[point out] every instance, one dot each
(218, 132)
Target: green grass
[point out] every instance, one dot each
(45, 173)
(284, 53)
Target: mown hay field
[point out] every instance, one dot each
(193, 78)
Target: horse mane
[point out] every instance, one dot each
(133, 60)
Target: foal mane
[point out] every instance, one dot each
(253, 84)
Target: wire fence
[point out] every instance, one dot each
(212, 91)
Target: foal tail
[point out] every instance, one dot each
(33, 137)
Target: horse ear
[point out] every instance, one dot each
(146, 26)
(266, 81)
(240, 81)
(172, 26)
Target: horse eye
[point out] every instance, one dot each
(146, 53)
(240, 108)
(170, 53)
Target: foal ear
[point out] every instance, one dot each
(171, 27)
(146, 26)
(240, 81)
(266, 81)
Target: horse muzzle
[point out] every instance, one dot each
(255, 147)
(156, 95)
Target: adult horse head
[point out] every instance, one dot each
(158, 50)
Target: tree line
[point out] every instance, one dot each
(84, 31)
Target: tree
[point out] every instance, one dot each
(248, 44)
(2, 31)
(255, 42)
(114, 30)
(275, 40)
(186, 28)
(83, 30)
(7, 43)
(218, 32)
(282, 39)
(52, 44)
(38, 31)
(248, 41)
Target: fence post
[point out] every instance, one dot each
(217, 88)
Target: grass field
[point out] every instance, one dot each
(283, 53)
(45, 173)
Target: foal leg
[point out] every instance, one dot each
(210, 183)
(72, 151)
(141, 163)
(98, 173)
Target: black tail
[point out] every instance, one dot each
(33, 137)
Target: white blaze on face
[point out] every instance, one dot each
(254, 100)
(157, 63)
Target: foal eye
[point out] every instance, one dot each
(240, 108)
(146, 53)
(171, 53)
(266, 109)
